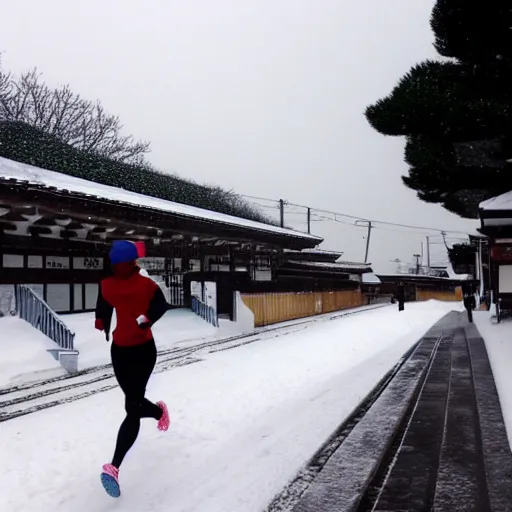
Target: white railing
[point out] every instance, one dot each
(206, 312)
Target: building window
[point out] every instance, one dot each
(219, 263)
(58, 297)
(35, 261)
(262, 269)
(91, 295)
(78, 303)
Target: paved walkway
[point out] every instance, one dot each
(436, 439)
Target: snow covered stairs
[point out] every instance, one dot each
(31, 308)
(447, 449)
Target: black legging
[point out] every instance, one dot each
(133, 367)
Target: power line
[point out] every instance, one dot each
(353, 217)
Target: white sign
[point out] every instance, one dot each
(88, 263)
(13, 261)
(35, 261)
(153, 264)
(262, 275)
(57, 262)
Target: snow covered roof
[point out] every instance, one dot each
(321, 251)
(341, 265)
(371, 278)
(502, 202)
(43, 178)
(405, 277)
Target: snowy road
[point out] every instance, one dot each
(243, 423)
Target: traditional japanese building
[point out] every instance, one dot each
(56, 230)
(496, 224)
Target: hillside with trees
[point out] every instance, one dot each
(57, 129)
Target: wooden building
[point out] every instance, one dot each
(419, 287)
(56, 231)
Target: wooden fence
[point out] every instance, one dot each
(455, 296)
(272, 308)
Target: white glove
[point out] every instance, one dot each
(142, 319)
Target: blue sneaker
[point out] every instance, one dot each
(109, 479)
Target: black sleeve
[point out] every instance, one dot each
(104, 311)
(157, 307)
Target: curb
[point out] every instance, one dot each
(342, 482)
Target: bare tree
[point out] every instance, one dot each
(61, 112)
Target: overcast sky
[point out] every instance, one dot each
(262, 96)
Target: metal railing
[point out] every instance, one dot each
(31, 308)
(206, 312)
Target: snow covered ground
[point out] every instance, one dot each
(498, 340)
(24, 355)
(174, 328)
(244, 421)
(23, 349)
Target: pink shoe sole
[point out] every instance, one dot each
(165, 421)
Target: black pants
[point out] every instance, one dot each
(401, 305)
(133, 367)
(470, 315)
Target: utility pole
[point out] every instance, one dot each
(309, 221)
(428, 252)
(417, 256)
(368, 241)
(281, 211)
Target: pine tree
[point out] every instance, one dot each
(457, 115)
(475, 33)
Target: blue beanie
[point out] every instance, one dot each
(123, 251)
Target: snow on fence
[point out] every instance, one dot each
(272, 308)
(37, 313)
(206, 312)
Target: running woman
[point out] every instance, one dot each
(139, 303)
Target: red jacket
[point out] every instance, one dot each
(131, 298)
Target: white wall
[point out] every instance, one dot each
(505, 278)
(244, 317)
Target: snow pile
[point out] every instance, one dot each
(498, 341)
(176, 327)
(23, 349)
(24, 355)
(243, 422)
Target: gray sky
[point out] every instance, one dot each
(262, 96)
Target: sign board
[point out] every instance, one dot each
(88, 263)
(152, 264)
(501, 253)
(262, 275)
(57, 262)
